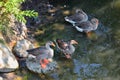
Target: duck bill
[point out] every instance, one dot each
(74, 42)
(53, 44)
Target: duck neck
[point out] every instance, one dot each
(86, 17)
(47, 46)
(71, 47)
(95, 25)
(51, 50)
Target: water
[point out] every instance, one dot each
(96, 57)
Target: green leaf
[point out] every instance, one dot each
(1, 4)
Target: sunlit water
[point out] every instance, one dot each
(97, 57)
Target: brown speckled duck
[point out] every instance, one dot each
(66, 47)
(78, 17)
(44, 53)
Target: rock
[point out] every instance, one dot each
(34, 66)
(8, 61)
(19, 30)
(10, 76)
(1, 78)
(21, 47)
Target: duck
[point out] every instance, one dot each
(78, 17)
(43, 53)
(66, 47)
(87, 26)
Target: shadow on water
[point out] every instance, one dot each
(96, 57)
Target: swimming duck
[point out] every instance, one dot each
(66, 47)
(44, 53)
(78, 17)
(87, 26)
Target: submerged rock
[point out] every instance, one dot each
(90, 69)
(34, 66)
(8, 61)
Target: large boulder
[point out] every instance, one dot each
(8, 61)
(21, 47)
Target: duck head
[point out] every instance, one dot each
(50, 43)
(73, 42)
(95, 22)
(79, 11)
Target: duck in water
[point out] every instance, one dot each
(78, 17)
(87, 26)
(66, 47)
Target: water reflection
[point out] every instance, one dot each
(89, 71)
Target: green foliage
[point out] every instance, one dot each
(9, 8)
(29, 13)
(2, 41)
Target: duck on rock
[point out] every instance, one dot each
(44, 53)
(78, 17)
(66, 47)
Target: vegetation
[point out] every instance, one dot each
(10, 9)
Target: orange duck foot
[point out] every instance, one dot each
(43, 66)
(44, 63)
(88, 34)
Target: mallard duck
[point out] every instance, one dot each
(87, 26)
(78, 17)
(66, 47)
(43, 53)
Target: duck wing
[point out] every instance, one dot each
(86, 26)
(38, 51)
(77, 17)
(69, 49)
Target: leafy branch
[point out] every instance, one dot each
(10, 8)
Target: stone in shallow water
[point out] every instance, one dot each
(34, 65)
(8, 61)
(21, 47)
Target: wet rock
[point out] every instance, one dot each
(8, 61)
(34, 66)
(21, 47)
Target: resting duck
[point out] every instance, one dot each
(87, 26)
(44, 53)
(66, 47)
(78, 17)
